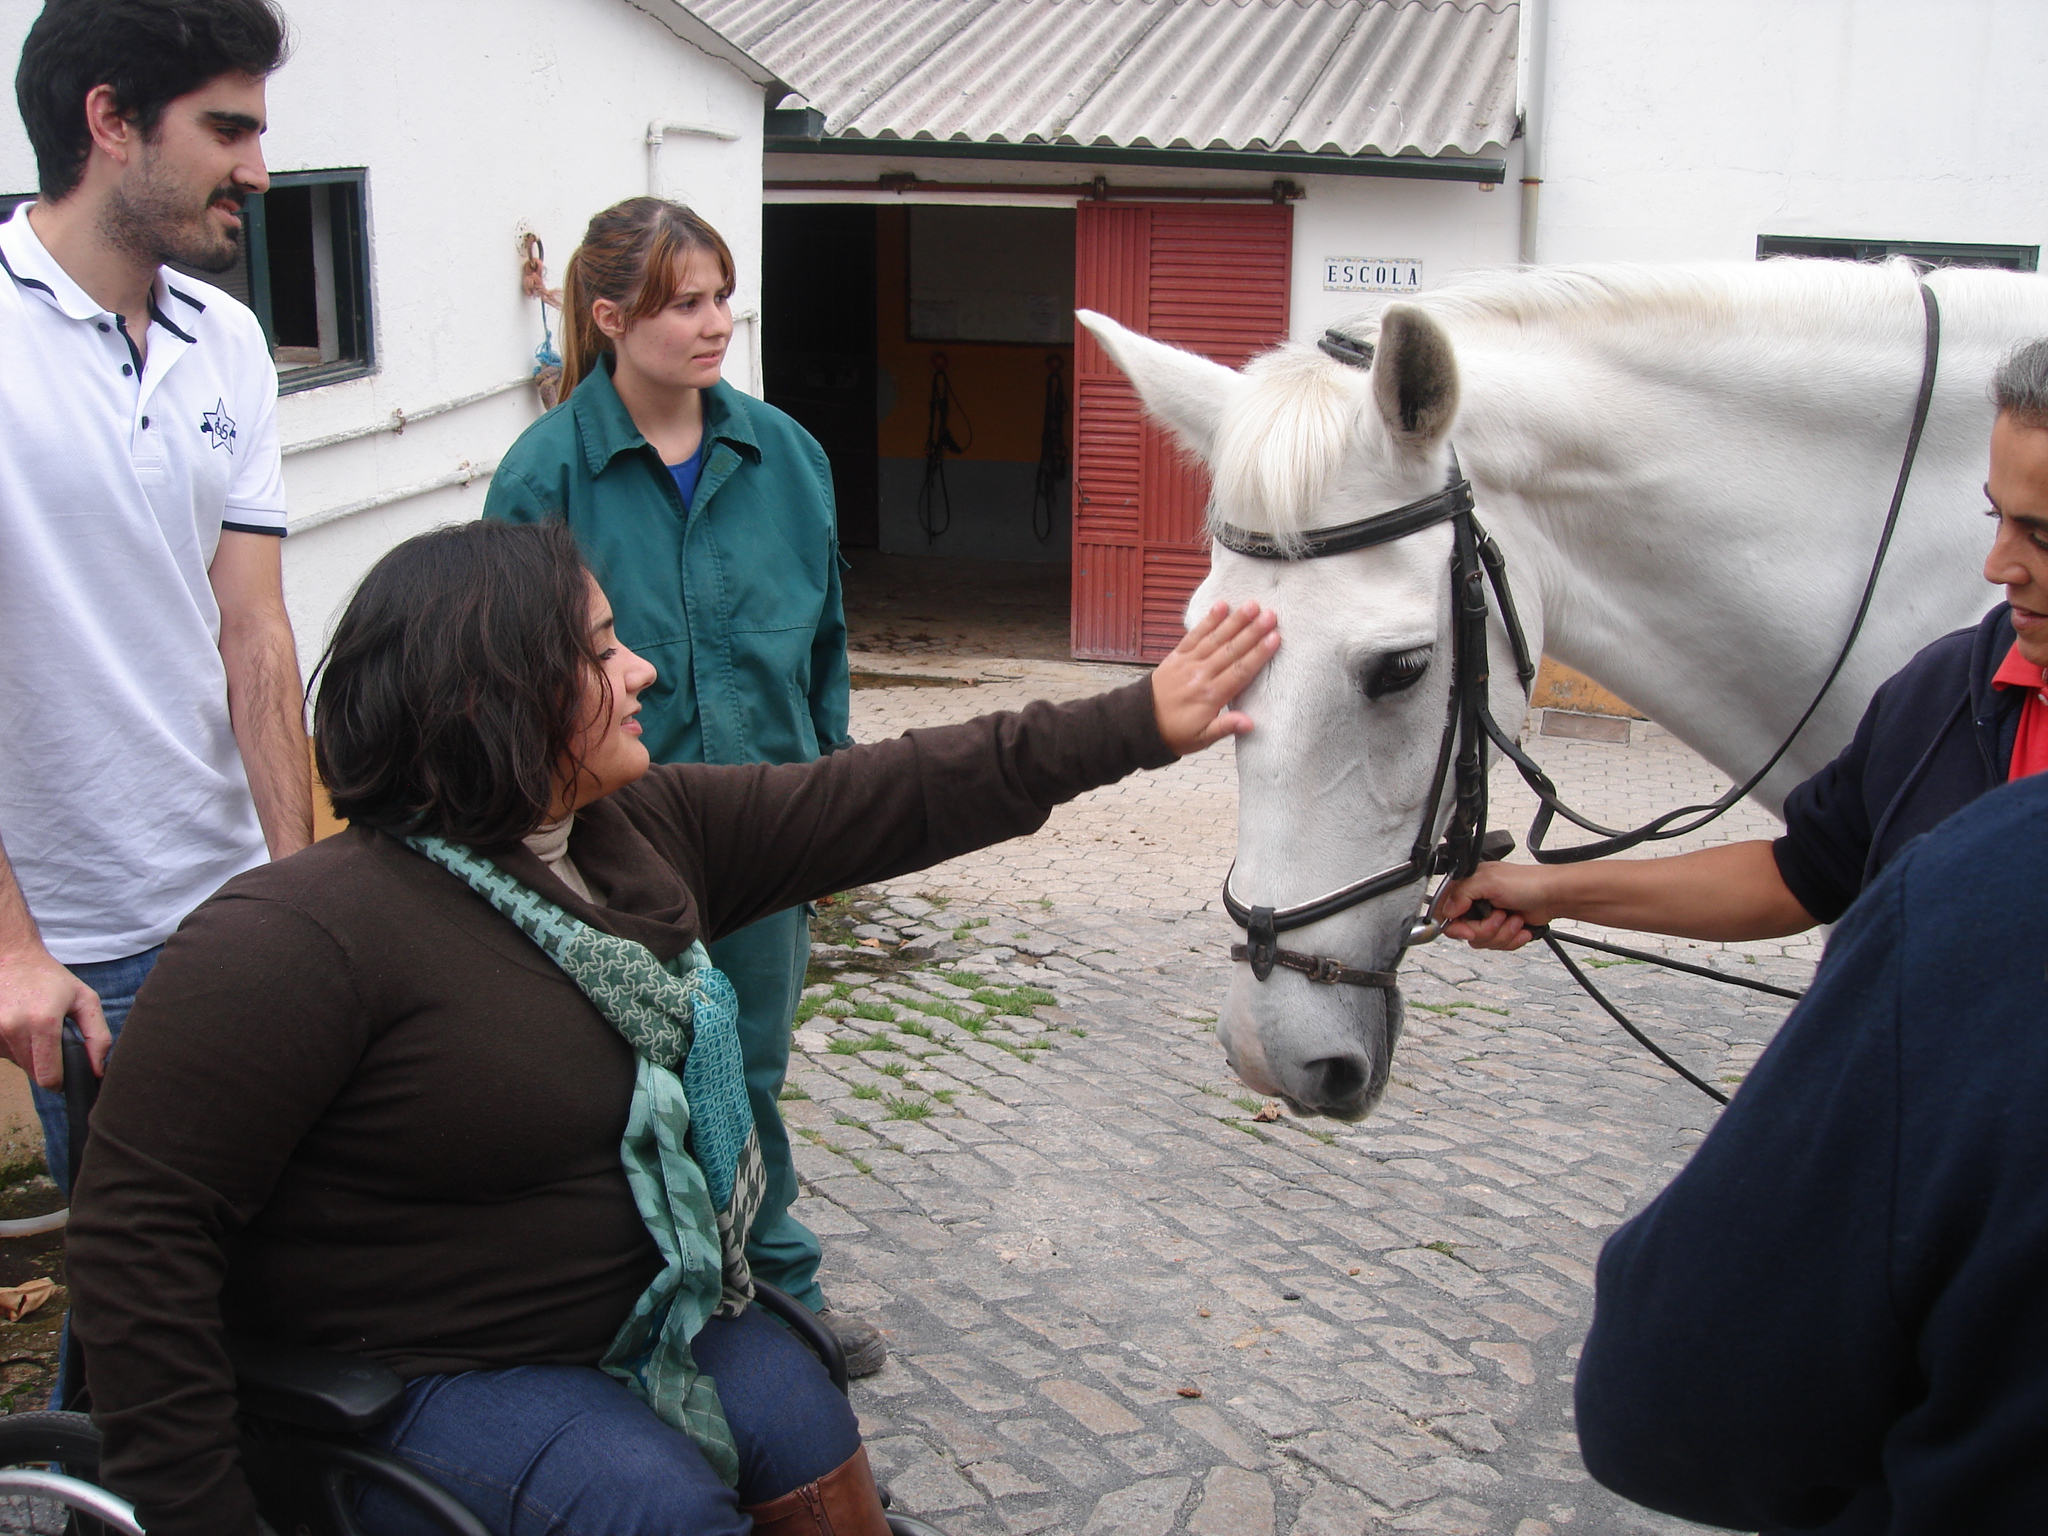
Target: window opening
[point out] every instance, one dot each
(1928, 253)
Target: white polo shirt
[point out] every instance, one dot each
(123, 801)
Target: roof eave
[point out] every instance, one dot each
(1295, 162)
(704, 37)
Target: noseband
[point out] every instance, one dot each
(1476, 563)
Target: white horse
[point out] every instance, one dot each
(1688, 469)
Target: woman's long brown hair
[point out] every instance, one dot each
(632, 254)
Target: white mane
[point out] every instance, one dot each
(1279, 446)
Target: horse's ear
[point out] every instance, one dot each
(1414, 377)
(1188, 393)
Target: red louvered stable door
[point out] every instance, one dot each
(1209, 277)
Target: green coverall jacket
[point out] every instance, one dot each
(733, 599)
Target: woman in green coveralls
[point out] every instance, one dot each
(708, 517)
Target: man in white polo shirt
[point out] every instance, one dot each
(151, 725)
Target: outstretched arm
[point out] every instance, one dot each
(753, 838)
(36, 994)
(1733, 892)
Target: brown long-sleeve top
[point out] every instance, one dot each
(355, 1107)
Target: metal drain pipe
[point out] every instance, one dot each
(1535, 63)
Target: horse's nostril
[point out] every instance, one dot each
(1338, 1079)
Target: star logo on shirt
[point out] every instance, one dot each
(219, 425)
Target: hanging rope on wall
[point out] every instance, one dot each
(533, 282)
(1052, 449)
(934, 500)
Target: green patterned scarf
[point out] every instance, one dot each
(690, 1150)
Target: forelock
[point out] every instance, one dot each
(1283, 441)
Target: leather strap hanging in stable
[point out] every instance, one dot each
(1053, 459)
(934, 497)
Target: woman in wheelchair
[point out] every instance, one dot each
(458, 1090)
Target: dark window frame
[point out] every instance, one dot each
(353, 307)
(1928, 253)
(353, 312)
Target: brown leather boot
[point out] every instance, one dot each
(844, 1502)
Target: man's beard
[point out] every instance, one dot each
(152, 220)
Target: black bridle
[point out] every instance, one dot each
(1476, 562)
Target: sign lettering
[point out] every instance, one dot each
(1372, 274)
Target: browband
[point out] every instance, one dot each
(1381, 528)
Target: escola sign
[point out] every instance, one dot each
(1371, 274)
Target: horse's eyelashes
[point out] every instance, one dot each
(1401, 670)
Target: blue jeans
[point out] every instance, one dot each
(117, 982)
(558, 1450)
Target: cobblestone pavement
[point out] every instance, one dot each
(1123, 1295)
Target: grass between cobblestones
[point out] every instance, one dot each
(935, 1003)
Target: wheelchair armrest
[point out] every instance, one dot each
(803, 1322)
(311, 1388)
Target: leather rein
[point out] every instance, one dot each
(1476, 563)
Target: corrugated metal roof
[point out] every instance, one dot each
(1344, 77)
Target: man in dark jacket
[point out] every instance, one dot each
(1964, 716)
(1834, 1319)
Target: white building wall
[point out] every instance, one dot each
(1687, 128)
(1446, 226)
(476, 125)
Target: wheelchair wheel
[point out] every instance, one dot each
(42, 1442)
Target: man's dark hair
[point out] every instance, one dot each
(455, 685)
(150, 51)
(2020, 387)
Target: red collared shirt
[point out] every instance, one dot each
(2030, 747)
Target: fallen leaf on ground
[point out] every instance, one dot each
(1268, 1113)
(17, 1301)
(1190, 1391)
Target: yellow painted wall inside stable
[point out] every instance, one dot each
(1000, 385)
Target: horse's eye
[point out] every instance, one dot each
(1401, 670)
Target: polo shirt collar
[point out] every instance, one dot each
(605, 428)
(2018, 672)
(35, 269)
(32, 267)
